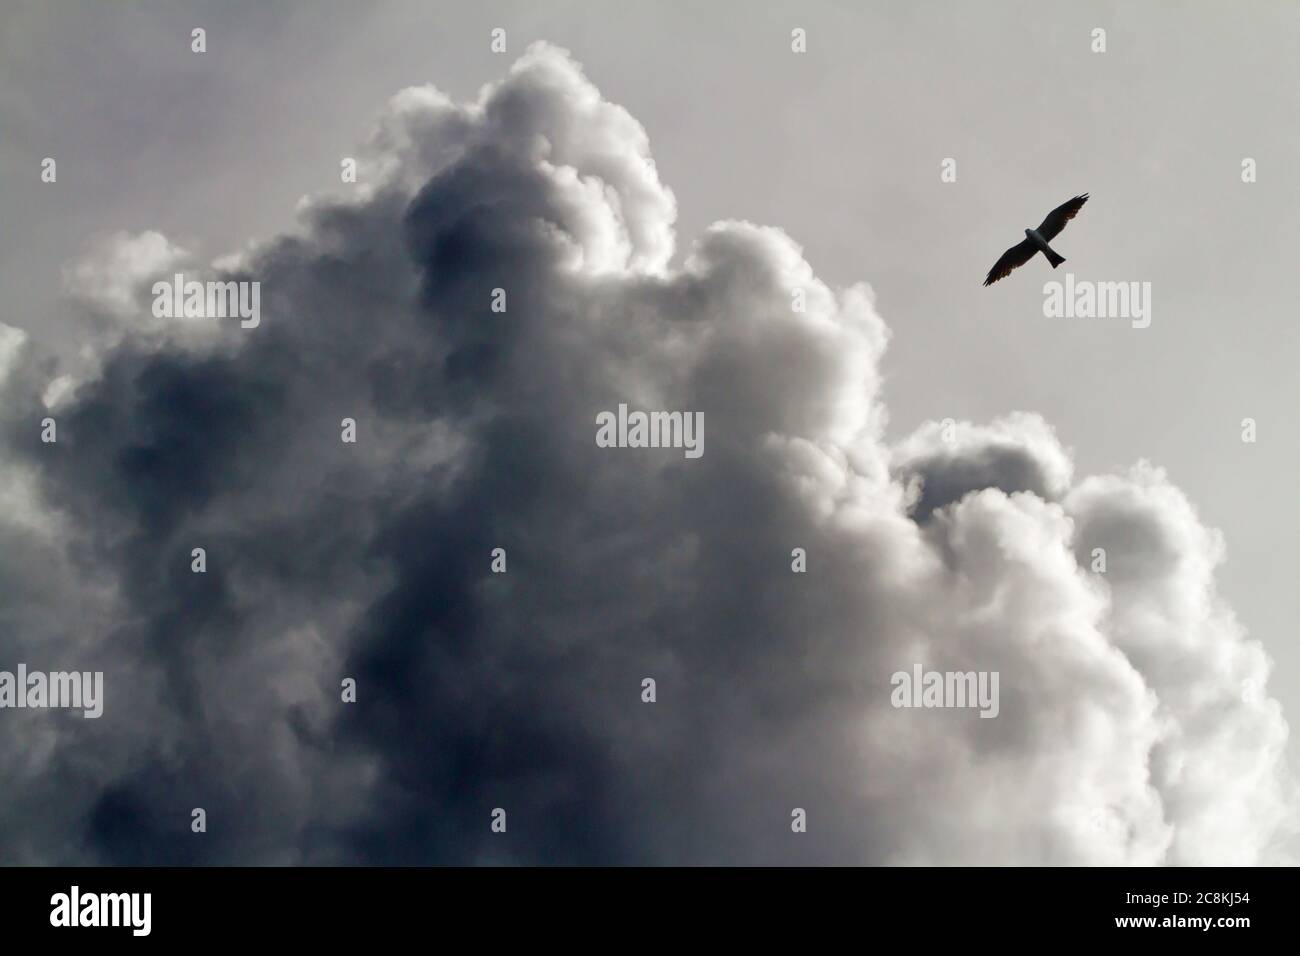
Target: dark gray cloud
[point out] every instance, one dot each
(1123, 696)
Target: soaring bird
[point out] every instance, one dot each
(1036, 240)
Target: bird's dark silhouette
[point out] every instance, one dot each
(1036, 240)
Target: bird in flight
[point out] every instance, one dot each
(1036, 240)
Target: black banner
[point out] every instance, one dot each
(1219, 907)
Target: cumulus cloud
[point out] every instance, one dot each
(1134, 723)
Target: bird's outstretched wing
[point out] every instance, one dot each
(1013, 258)
(1058, 217)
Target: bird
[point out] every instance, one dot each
(1036, 240)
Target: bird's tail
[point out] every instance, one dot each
(1053, 258)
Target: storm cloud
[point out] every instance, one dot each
(1134, 725)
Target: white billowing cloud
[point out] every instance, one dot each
(113, 286)
(1216, 761)
(547, 114)
(1134, 725)
(111, 274)
(1149, 739)
(12, 342)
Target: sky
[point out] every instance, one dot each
(1119, 726)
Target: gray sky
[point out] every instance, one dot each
(839, 147)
